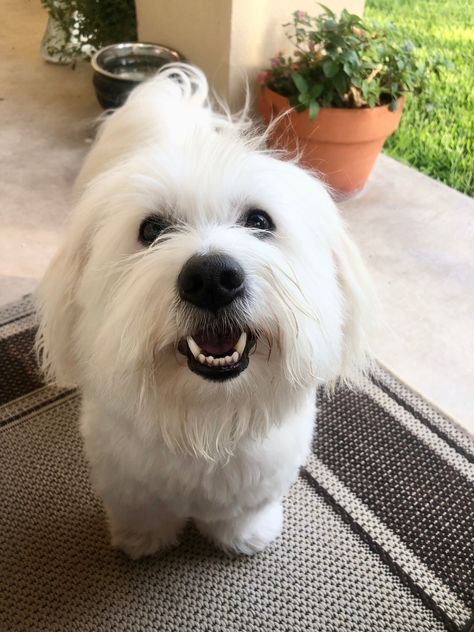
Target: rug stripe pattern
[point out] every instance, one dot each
(378, 529)
(409, 486)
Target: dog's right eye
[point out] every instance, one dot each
(260, 221)
(151, 228)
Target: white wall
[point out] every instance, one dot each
(229, 39)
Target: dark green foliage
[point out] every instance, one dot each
(91, 24)
(347, 63)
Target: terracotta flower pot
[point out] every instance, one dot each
(341, 145)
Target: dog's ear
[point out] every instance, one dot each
(360, 309)
(57, 308)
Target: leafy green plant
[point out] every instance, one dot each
(87, 25)
(346, 63)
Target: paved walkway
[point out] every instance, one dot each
(417, 236)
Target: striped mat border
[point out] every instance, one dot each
(396, 472)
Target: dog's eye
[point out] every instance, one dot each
(259, 220)
(151, 228)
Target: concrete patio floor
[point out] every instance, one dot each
(417, 235)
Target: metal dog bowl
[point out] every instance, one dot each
(119, 68)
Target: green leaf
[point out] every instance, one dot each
(372, 101)
(300, 82)
(345, 15)
(304, 98)
(330, 68)
(350, 56)
(316, 90)
(327, 10)
(340, 83)
(365, 89)
(293, 101)
(313, 110)
(338, 40)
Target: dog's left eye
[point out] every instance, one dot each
(151, 228)
(260, 220)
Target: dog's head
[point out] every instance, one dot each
(200, 276)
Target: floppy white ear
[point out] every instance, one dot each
(57, 310)
(360, 309)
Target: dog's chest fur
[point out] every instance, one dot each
(191, 486)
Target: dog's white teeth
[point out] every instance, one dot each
(200, 356)
(240, 346)
(195, 350)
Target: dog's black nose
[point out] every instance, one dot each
(211, 281)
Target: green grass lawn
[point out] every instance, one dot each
(438, 141)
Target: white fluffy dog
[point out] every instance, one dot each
(203, 290)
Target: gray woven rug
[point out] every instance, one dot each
(378, 536)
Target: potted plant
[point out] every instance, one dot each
(77, 28)
(342, 91)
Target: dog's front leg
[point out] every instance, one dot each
(249, 532)
(140, 523)
(142, 528)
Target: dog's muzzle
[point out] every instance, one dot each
(212, 282)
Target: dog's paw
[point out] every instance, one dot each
(248, 534)
(137, 544)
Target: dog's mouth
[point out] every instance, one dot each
(218, 355)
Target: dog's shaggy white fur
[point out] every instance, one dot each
(165, 443)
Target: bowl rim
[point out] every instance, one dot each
(95, 63)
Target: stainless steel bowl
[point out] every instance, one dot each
(119, 68)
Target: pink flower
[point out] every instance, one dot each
(262, 77)
(301, 15)
(275, 61)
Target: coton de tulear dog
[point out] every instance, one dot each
(204, 289)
